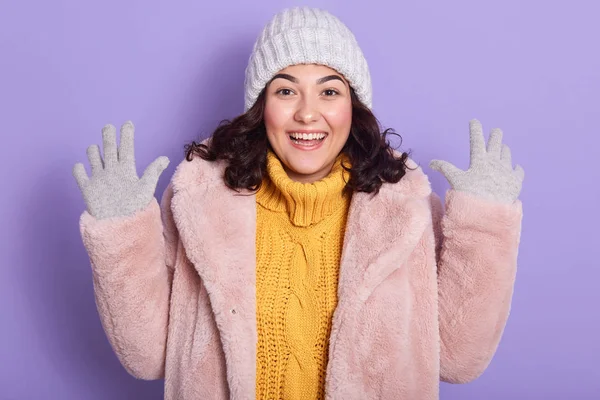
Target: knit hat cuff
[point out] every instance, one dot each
(309, 45)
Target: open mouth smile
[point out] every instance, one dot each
(307, 141)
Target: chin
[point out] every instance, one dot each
(304, 166)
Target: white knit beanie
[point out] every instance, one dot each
(305, 35)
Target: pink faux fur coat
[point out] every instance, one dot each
(423, 295)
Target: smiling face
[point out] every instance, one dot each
(308, 114)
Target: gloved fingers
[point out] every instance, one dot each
(519, 173)
(93, 153)
(476, 138)
(126, 153)
(447, 169)
(109, 142)
(153, 171)
(505, 156)
(494, 145)
(80, 175)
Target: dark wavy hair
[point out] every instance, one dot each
(242, 143)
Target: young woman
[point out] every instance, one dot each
(294, 254)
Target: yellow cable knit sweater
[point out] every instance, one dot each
(299, 237)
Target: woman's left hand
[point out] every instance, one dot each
(490, 172)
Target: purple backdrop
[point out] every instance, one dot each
(529, 67)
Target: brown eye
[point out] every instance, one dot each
(280, 91)
(332, 91)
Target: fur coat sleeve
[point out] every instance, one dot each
(132, 262)
(476, 245)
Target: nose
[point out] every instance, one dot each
(307, 111)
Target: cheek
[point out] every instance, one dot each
(340, 118)
(269, 117)
(275, 116)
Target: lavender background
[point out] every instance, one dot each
(531, 68)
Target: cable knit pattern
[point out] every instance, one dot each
(306, 35)
(300, 233)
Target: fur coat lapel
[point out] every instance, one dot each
(217, 229)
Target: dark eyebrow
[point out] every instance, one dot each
(295, 80)
(284, 76)
(328, 78)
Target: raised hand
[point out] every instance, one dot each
(114, 189)
(490, 174)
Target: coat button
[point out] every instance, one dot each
(233, 311)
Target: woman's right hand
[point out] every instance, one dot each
(114, 189)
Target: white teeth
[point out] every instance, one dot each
(308, 136)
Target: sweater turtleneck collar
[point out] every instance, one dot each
(305, 203)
